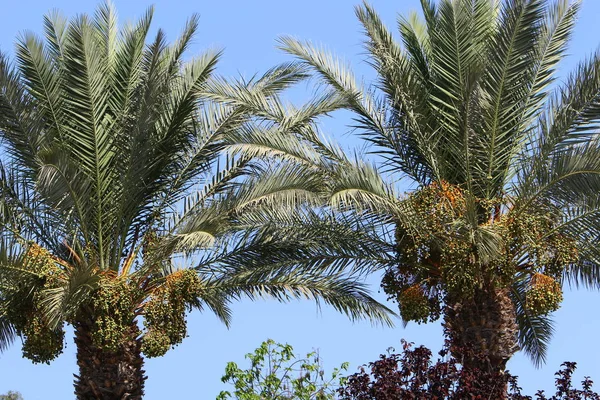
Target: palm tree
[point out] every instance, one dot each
(121, 194)
(505, 164)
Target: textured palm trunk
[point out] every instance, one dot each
(483, 336)
(108, 375)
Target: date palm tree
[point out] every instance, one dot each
(121, 192)
(504, 160)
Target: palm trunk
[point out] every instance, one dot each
(483, 337)
(108, 375)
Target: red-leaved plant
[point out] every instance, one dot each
(413, 375)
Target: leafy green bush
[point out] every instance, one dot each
(276, 374)
(11, 396)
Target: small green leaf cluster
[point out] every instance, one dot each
(11, 396)
(276, 374)
(165, 312)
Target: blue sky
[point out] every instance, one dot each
(247, 31)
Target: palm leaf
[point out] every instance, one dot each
(534, 331)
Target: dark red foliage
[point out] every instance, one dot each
(413, 375)
(565, 389)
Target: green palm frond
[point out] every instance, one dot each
(344, 294)
(198, 230)
(554, 36)
(571, 116)
(62, 303)
(586, 272)
(507, 79)
(335, 73)
(9, 266)
(535, 331)
(22, 211)
(403, 143)
(55, 27)
(21, 128)
(221, 184)
(417, 43)
(282, 186)
(568, 177)
(358, 185)
(255, 141)
(42, 80)
(217, 300)
(7, 332)
(311, 241)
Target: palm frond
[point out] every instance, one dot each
(345, 295)
(252, 141)
(216, 300)
(568, 178)
(283, 186)
(42, 80)
(510, 81)
(63, 302)
(197, 230)
(403, 142)
(572, 114)
(9, 261)
(358, 185)
(20, 127)
(7, 331)
(55, 27)
(534, 331)
(308, 241)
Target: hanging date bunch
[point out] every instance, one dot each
(430, 252)
(41, 271)
(114, 305)
(165, 312)
(548, 253)
(544, 295)
(415, 305)
(437, 256)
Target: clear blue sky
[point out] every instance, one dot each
(247, 31)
